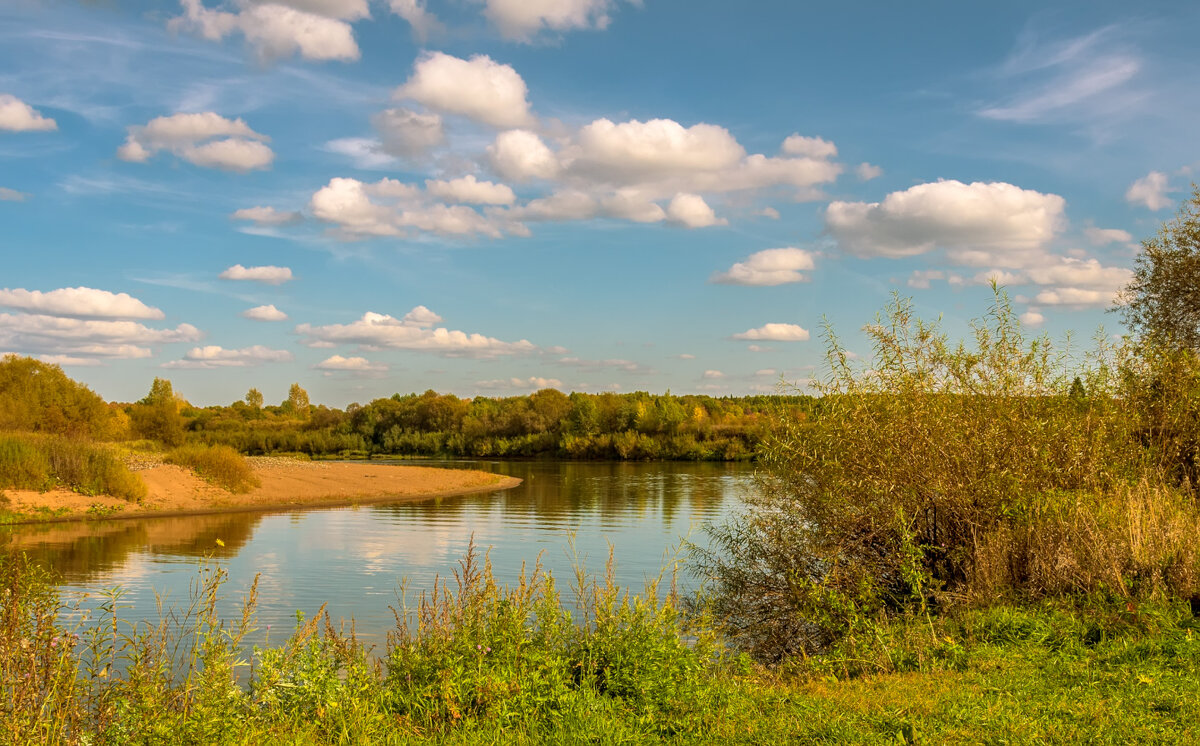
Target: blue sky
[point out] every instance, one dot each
(492, 196)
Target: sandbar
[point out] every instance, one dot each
(286, 483)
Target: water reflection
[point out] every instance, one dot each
(79, 552)
(354, 557)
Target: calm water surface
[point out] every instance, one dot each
(355, 558)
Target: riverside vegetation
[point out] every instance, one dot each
(988, 541)
(57, 433)
(546, 423)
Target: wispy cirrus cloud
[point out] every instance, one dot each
(1085, 80)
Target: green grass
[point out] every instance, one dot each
(477, 663)
(41, 462)
(220, 465)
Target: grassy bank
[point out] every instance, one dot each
(476, 663)
(32, 461)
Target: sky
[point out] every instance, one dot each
(489, 197)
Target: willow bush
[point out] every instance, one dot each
(932, 473)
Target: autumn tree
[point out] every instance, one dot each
(1162, 302)
(254, 398)
(297, 401)
(39, 397)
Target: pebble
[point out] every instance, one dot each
(283, 462)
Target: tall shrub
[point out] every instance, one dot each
(912, 460)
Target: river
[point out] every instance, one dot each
(354, 558)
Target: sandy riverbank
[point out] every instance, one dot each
(174, 490)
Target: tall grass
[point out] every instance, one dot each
(475, 662)
(41, 462)
(220, 465)
(467, 658)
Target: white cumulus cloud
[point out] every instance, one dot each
(277, 29)
(91, 338)
(775, 332)
(691, 211)
(653, 160)
(204, 139)
(80, 302)
(350, 365)
(977, 224)
(471, 191)
(1032, 319)
(264, 313)
(413, 332)
(268, 274)
(215, 356)
(521, 155)
(393, 208)
(768, 268)
(813, 147)
(1150, 191)
(633, 151)
(12, 195)
(18, 116)
(479, 88)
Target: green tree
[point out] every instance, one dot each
(583, 418)
(1162, 302)
(38, 397)
(157, 416)
(254, 398)
(161, 390)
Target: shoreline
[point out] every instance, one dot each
(175, 491)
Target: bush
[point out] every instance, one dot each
(220, 465)
(935, 473)
(41, 462)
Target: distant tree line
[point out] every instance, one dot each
(38, 397)
(547, 423)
